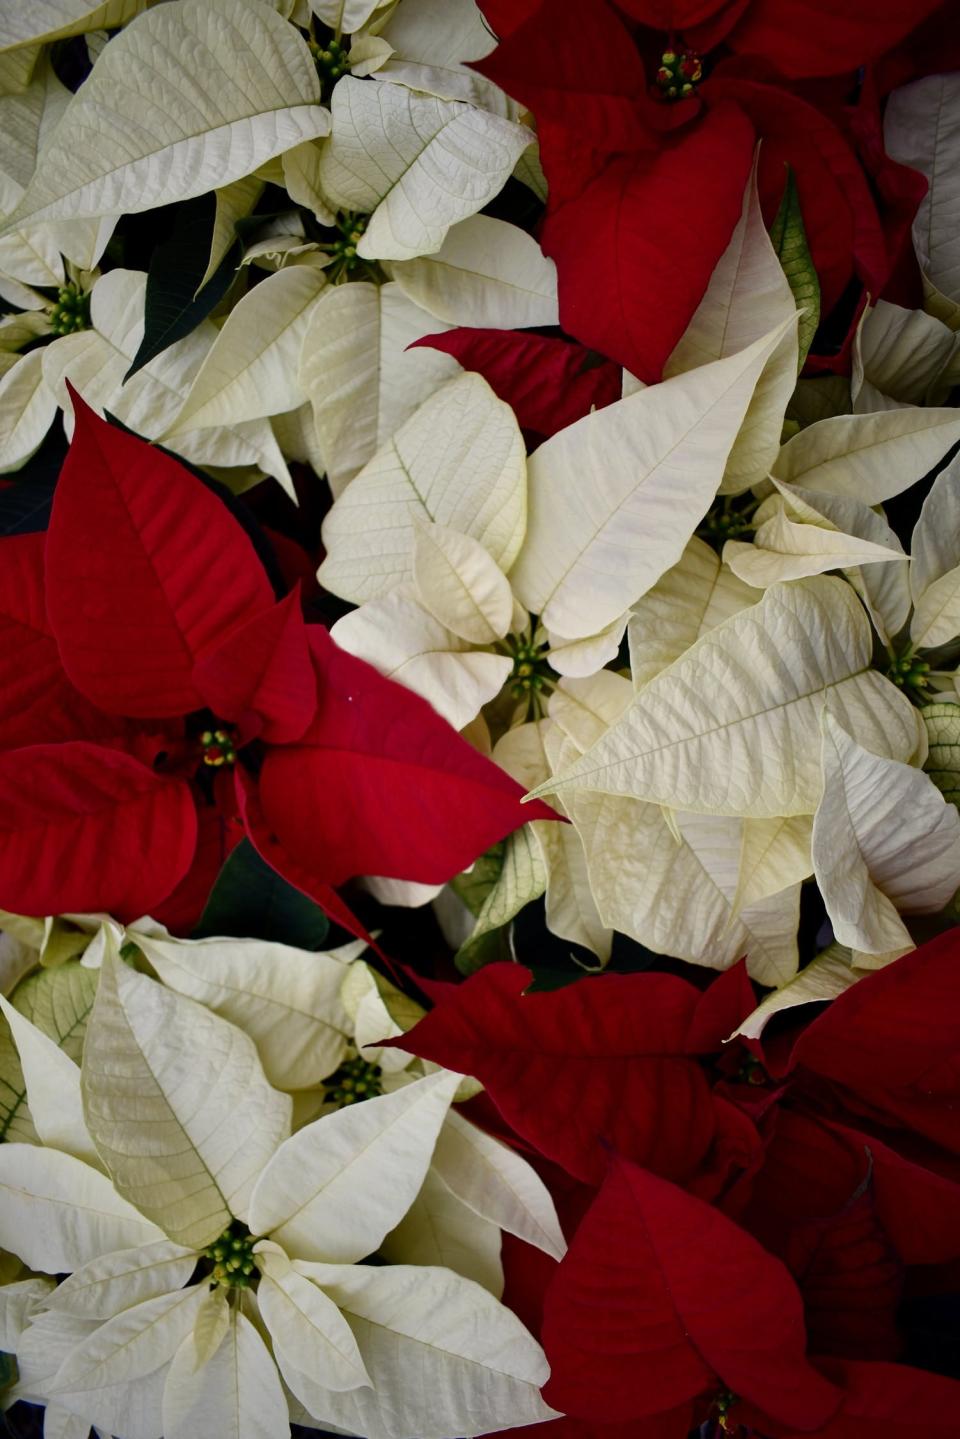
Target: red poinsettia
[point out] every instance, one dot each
(154, 689)
(715, 1255)
(647, 141)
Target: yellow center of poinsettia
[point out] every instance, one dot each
(679, 74)
(232, 1257)
(218, 749)
(356, 1079)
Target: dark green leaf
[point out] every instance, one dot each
(789, 239)
(251, 901)
(173, 307)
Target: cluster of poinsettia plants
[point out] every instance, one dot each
(479, 718)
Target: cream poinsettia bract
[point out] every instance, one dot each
(214, 1260)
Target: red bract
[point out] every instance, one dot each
(891, 1044)
(158, 606)
(596, 1065)
(645, 182)
(662, 1299)
(548, 383)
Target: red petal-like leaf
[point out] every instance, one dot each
(671, 14)
(600, 1062)
(217, 837)
(380, 784)
(839, 214)
(272, 852)
(548, 383)
(813, 37)
(660, 1298)
(584, 77)
(39, 702)
(636, 249)
(889, 1401)
(894, 1040)
(83, 828)
(264, 668)
(146, 569)
(722, 1006)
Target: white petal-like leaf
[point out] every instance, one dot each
(487, 274)
(335, 1188)
(580, 658)
(445, 1357)
(362, 381)
(18, 1302)
(178, 1105)
(57, 19)
(774, 854)
(418, 163)
(935, 562)
(123, 1278)
(884, 839)
(404, 642)
(694, 596)
(287, 1000)
(784, 549)
(27, 410)
(57, 1213)
(236, 1395)
(308, 1331)
(869, 458)
(747, 297)
(132, 1344)
(678, 899)
(251, 368)
(169, 113)
(571, 911)
(906, 354)
(498, 1184)
(438, 1229)
(96, 361)
(444, 34)
(826, 977)
(459, 461)
(460, 584)
(53, 1088)
(615, 497)
(345, 15)
(732, 726)
(922, 129)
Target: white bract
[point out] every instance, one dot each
(139, 1340)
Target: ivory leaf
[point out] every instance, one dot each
(287, 1000)
(178, 1105)
(732, 726)
(487, 274)
(922, 129)
(188, 99)
(418, 163)
(615, 496)
(458, 461)
(884, 839)
(359, 375)
(869, 458)
(747, 297)
(335, 1188)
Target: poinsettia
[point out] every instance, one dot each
(138, 1338)
(646, 146)
(147, 658)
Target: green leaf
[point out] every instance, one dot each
(943, 762)
(789, 239)
(174, 303)
(8, 1372)
(475, 884)
(58, 1001)
(251, 901)
(522, 877)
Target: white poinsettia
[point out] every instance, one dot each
(210, 1232)
(319, 1021)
